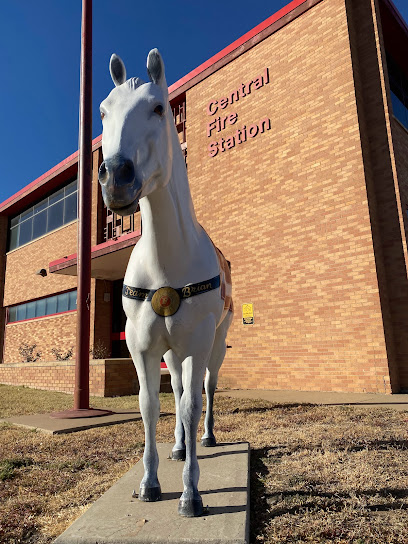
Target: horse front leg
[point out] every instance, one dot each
(148, 371)
(191, 504)
(174, 365)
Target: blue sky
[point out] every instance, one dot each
(40, 45)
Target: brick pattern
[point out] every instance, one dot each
(3, 242)
(120, 378)
(295, 225)
(22, 283)
(57, 331)
(107, 377)
(310, 212)
(60, 376)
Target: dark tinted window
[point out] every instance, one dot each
(51, 213)
(45, 306)
(399, 91)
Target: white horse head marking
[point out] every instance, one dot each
(136, 134)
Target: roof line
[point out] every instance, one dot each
(233, 46)
(250, 35)
(47, 174)
(237, 43)
(397, 15)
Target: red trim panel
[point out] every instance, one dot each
(119, 335)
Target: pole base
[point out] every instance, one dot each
(80, 413)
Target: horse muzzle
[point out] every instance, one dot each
(120, 189)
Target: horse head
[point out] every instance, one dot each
(136, 136)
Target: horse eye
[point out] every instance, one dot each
(159, 110)
(102, 115)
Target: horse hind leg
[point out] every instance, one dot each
(217, 356)
(174, 365)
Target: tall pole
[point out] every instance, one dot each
(81, 391)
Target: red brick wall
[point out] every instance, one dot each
(106, 378)
(120, 378)
(289, 208)
(57, 331)
(22, 283)
(3, 242)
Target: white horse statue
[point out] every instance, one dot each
(177, 287)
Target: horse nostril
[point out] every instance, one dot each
(102, 172)
(125, 173)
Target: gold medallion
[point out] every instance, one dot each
(166, 301)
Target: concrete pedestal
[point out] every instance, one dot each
(117, 518)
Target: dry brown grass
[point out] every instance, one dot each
(319, 474)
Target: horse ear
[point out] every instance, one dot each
(117, 70)
(155, 68)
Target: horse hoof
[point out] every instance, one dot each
(209, 442)
(150, 494)
(190, 508)
(178, 455)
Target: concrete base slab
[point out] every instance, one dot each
(117, 518)
(49, 425)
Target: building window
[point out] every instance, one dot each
(57, 304)
(51, 213)
(399, 91)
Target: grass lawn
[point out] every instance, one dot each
(318, 473)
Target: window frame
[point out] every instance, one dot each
(27, 216)
(24, 304)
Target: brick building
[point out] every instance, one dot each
(296, 143)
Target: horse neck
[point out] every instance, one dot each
(169, 222)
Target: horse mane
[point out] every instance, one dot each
(134, 82)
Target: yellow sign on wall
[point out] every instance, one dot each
(248, 314)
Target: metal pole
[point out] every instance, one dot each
(81, 391)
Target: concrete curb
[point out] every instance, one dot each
(48, 425)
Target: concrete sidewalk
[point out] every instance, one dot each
(49, 425)
(365, 400)
(117, 518)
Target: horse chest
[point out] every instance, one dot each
(149, 329)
